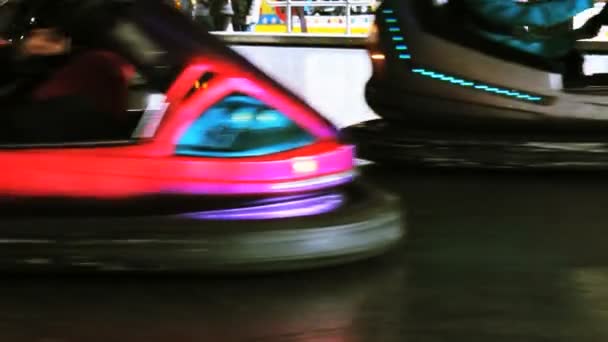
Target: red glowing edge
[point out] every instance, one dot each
(150, 166)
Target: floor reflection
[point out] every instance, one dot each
(309, 306)
(490, 257)
(498, 257)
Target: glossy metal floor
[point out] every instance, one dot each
(490, 257)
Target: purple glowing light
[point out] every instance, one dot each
(292, 208)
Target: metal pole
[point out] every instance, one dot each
(288, 17)
(348, 7)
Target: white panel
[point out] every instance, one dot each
(595, 64)
(331, 80)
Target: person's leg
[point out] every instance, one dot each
(572, 71)
(302, 17)
(240, 15)
(253, 13)
(203, 14)
(244, 8)
(573, 64)
(219, 19)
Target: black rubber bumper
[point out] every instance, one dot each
(400, 144)
(367, 223)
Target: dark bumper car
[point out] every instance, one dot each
(212, 166)
(449, 97)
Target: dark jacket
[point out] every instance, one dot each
(542, 15)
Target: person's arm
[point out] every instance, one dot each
(542, 13)
(6, 53)
(6, 62)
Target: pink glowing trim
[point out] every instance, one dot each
(105, 172)
(314, 184)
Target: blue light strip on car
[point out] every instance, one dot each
(474, 85)
(399, 46)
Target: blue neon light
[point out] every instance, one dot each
(478, 86)
(400, 47)
(241, 126)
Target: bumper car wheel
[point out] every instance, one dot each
(367, 223)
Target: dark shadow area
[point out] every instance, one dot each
(490, 256)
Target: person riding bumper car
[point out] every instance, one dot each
(193, 160)
(507, 93)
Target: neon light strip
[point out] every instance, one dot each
(467, 83)
(398, 39)
(284, 209)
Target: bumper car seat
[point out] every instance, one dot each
(99, 76)
(93, 91)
